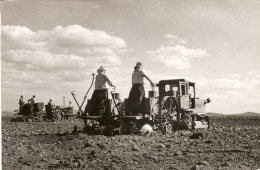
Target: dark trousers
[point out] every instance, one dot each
(99, 103)
(136, 99)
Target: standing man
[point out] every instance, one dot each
(137, 92)
(21, 103)
(31, 102)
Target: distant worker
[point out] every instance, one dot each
(31, 102)
(100, 95)
(70, 111)
(49, 109)
(21, 103)
(51, 104)
(137, 92)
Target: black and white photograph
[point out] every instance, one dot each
(130, 84)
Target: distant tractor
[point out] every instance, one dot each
(39, 114)
(25, 115)
(175, 108)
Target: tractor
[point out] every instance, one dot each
(25, 115)
(39, 114)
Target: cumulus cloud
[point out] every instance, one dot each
(61, 39)
(177, 56)
(61, 49)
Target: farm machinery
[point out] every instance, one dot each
(176, 107)
(24, 114)
(39, 114)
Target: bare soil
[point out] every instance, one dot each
(231, 143)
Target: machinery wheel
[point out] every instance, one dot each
(169, 111)
(88, 130)
(208, 121)
(168, 128)
(58, 116)
(107, 131)
(125, 129)
(189, 122)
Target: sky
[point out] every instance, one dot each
(50, 48)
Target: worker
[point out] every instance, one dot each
(70, 108)
(99, 99)
(31, 102)
(137, 92)
(21, 103)
(51, 104)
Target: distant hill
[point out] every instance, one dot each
(235, 114)
(214, 114)
(7, 113)
(247, 114)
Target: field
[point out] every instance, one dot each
(232, 143)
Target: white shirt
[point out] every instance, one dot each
(138, 77)
(101, 80)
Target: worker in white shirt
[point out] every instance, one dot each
(137, 92)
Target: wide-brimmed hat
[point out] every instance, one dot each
(101, 69)
(138, 65)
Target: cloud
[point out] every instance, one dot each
(175, 39)
(177, 56)
(59, 38)
(61, 49)
(235, 90)
(42, 60)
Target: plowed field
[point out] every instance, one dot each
(232, 143)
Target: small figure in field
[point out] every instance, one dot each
(31, 102)
(71, 108)
(21, 103)
(49, 109)
(137, 92)
(51, 104)
(99, 99)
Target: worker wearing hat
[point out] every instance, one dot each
(137, 92)
(99, 98)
